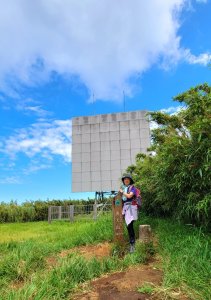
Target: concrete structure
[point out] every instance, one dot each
(103, 146)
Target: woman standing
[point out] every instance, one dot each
(129, 208)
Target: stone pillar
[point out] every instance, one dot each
(145, 233)
(49, 214)
(95, 211)
(60, 212)
(71, 213)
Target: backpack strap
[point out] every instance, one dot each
(129, 190)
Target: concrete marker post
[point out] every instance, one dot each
(145, 233)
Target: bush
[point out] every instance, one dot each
(33, 210)
(176, 180)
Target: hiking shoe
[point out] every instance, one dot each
(132, 248)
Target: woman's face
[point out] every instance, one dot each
(126, 181)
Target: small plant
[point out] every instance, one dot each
(146, 289)
(119, 249)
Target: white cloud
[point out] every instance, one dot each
(42, 139)
(202, 59)
(102, 43)
(10, 180)
(201, 1)
(172, 110)
(31, 106)
(35, 166)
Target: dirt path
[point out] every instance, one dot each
(123, 285)
(118, 285)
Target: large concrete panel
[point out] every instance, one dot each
(104, 136)
(95, 176)
(106, 185)
(115, 145)
(125, 154)
(95, 146)
(115, 164)
(114, 135)
(86, 138)
(95, 156)
(85, 129)
(85, 157)
(96, 186)
(104, 127)
(86, 186)
(86, 147)
(76, 139)
(95, 137)
(76, 148)
(114, 126)
(86, 166)
(105, 175)
(103, 146)
(95, 166)
(105, 155)
(76, 167)
(95, 128)
(105, 165)
(77, 157)
(125, 144)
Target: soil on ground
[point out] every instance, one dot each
(118, 285)
(124, 285)
(98, 251)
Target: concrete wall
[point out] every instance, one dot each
(103, 146)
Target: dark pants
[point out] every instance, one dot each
(131, 233)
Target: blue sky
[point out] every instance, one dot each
(61, 59)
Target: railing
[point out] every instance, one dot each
(77, 212)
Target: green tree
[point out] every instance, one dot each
(176, 181)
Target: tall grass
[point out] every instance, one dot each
(186, 253)
(73, 270)
(25, 261)
(25, 255)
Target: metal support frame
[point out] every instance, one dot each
(100, 196)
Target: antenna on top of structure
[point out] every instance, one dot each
(124, 99)
(93, 100)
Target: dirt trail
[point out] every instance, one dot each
(118, 285)
(123, 285)
(98, 251)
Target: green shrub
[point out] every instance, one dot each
(176, 180)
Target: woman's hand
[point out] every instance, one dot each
(121, 191)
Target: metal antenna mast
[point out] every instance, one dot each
(93, 98)
(124, 99)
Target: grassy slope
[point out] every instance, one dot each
(185, 251)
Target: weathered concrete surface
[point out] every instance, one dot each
(103, 146)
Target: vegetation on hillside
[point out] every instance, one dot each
(32, 267)
(33, 210)
(175, 177)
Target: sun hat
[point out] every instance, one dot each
(127, 176)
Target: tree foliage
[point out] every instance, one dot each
(176, 181)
